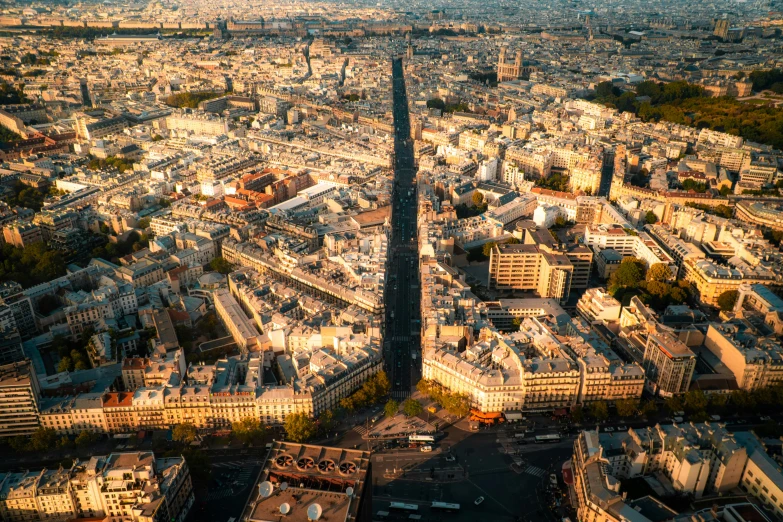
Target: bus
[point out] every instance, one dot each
(445, 506)
(551, 438)
(400, 506)
(425, 439)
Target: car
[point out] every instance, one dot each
(426, 449)
(622, 428)
(478, 500)
(765, 418)
(609, 429)
(450, 458)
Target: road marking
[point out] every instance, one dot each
(535, 471)
(487, 495)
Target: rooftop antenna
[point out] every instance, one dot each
(349, 491)
(314, 512)
(283, 486)
(265, 489)
(285, 508)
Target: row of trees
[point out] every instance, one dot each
(112, 251)
(555, 181)
(687, 104)
(372, 391)
(26, 196)
(410, 407)
(31, 265)
(723, 211)
(437, 103)
(111, 162)
(47, 439)
(655, 287)
(457, 404)
(190, 100)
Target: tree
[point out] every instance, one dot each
(674, 404)
(649, 408)
(43, 439)
(628, 274)
(143, 223)
(578, 414)
(695, 401)
(184, 433)
(66, 364)
(221, 265)
(249, 430)
(599, 411)
(650, 217)
(86, 438)
(19, 443)
(436, 103)
(659, 272)
(727, 300)
(391, 408)
(487, 248)
(411, 407)
(299, 427)
(626, 407)
(478, 199)
(326, 422)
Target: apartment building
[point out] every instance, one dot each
(22, 233)
(628, 243)
(755, 362)
(596, 305)
(131, 487)
(19, 398)
(200, 124)
(668, 364)
(236, 322)
(539, 264)
(709, 279)
(694, 459)
(141, 273)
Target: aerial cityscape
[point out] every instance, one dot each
(367, 261)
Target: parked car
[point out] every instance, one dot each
(479, 500)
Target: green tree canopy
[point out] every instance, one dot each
(478, 199)
(487, 248)
(630, 272)
(299, 427)
(411, 407)
(627, 407)
(184, 433)
(221, 265)
(650, 218)
(599, 410)
(248, 430)
(391, 408)
(659, 272)
(727, 300)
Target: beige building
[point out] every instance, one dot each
(21, 234)
(120, 487)
(236, 322)
(19, 399)
(709, 280)
(755, 362)
(539, 264)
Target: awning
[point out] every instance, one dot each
(513, 415)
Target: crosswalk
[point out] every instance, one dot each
(535, 471)
(400, 394)
(401, 338)
(361, 430)
(237, 464)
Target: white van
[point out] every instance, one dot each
(426, 449)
